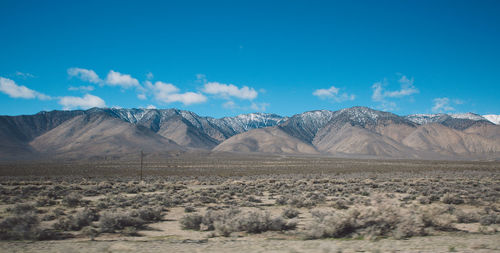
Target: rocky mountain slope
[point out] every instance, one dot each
(352, 132)
(364, 132)
(60, 133)
(267, 140)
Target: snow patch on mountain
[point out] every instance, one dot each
(360, 115)
(495, 119)
(469, 115)
(245, 122)
(422, 119)
(228, 125)
(314, 119)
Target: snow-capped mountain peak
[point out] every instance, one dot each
(316, 118)
(360, 114)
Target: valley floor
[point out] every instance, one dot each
(250, 204)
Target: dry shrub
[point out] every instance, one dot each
(149, 214)
(26, 226)
(191, 221)
(19, 227)
(23, 208)
(251, 222)
(224, 222)
(290, 213)
(488, 219)
(45, 201)
(79, 220)
(452, 199)
(339, 203)
(72, 200)
(281, 200)
(371, 222)
(301, 201)
(466, 217)
(130, 231)
(90, 232)
(424, 200)
(212, 216)
(437, 217)
(112, 221)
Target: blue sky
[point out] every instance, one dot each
(223, 58)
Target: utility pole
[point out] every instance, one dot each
(142, 156)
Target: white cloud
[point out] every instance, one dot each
(230, 90)
(187, 98)
(142, 96)
(382, 96)
(407, 89)
(123, 80)
(442, 105)
(333, 93)
(10, 88)
(85, 102)
(168, 93)
(259, 106)
(151, 107)
(81, 88)
(161, 90)
(87, 75)
(149, 76)
(377, 92)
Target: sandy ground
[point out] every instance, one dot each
(459, 242)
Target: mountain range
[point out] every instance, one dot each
(99, 133)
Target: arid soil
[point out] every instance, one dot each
(250, 204)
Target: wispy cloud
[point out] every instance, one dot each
(86, 75)
(229, 90)
(260, 107)
(383, 96)
(85, 102)
(186, 98)
(125, 81)
(24, 75)
(443, 104)
(407, 88)
(82, 88)
(230, 105)
(201, 78)
(332, 93)
(169, 93)
(13, 90)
